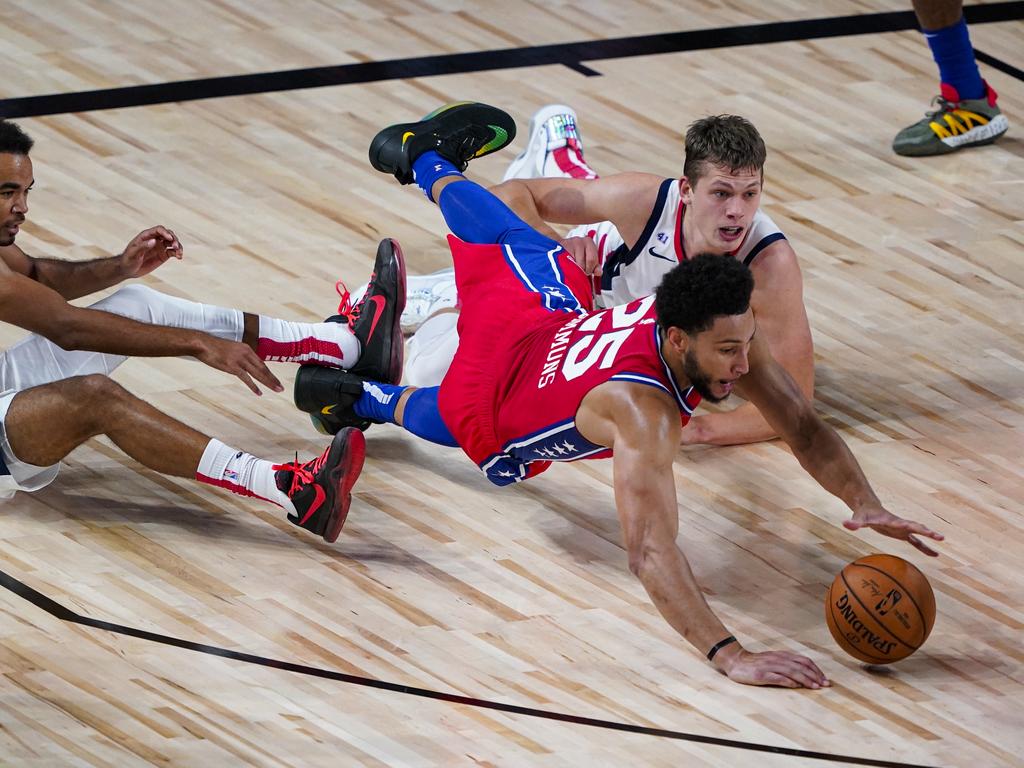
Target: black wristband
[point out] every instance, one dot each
(719, 646)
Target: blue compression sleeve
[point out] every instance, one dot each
(421, 416)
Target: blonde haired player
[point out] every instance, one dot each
(648, 225)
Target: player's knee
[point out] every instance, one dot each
(95, 392)
(135, 301)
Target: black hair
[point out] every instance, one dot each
(13, 140)
(726, 140)
(697, 291)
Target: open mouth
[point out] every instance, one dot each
(731, 233)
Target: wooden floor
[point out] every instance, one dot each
(914, 275)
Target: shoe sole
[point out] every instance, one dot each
(343, 477)
(396, 356)
(450, 115)
(537, 122)
(397, 360)
(978, 136)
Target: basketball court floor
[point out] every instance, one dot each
(151, 621)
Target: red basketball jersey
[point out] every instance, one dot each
(520, 374)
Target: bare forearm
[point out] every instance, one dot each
(670, 583)
(73, 279)
(736, 427)
(98, 331)
(520, 200)
(829, 461)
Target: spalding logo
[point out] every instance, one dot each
(860, 632)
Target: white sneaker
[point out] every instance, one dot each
(424, 295)
(554, 148)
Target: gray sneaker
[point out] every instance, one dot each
(957, 123)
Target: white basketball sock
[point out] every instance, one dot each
(241, 473)
(292, 342)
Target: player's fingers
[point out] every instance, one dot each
(261, 373)
(801, 669)
(924, 530)
(248, 382)
(922, 546)
(777, 678)
(163, 233)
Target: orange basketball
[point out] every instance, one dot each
(880, 609)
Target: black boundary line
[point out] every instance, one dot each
(567, 54)
(59, 611)
(995, 63)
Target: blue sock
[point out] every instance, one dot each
(422, 416)
(428, 168)
(952, 51)
(378, 401)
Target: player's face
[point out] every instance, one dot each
(720, 206)
(15, 183)
(717, 357)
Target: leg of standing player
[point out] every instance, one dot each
(967, 114)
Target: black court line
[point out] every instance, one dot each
(58, 611)
(1002, 66)
(571, 55)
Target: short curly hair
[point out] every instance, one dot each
(697, 291)
(729, 141)
(13, 140)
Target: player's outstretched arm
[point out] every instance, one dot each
(778, 305)
(73, 279)
(37, 308)
(642, 426)
(626, 199)
(821, 451)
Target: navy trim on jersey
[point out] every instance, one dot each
(765, 242)
(3, 465)
(639, 378)
(624, 254)
(680, 396)
(544, 434)
(537, 275)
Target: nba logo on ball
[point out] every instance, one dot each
(880, 609)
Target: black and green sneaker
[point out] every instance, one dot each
(458, 132)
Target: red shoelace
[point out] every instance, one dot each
(304, 473)
(345, 306)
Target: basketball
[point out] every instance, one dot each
(880, 609)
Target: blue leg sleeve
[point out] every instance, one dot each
(475, 215)
(423, 418)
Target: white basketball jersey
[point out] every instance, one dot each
(630, 273)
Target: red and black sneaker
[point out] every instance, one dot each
(321, 488)
(376, 321)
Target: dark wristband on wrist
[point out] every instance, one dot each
(720, 645)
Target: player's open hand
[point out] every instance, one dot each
(584, 252)
(889, 524)
(148, 250)
(782, 668)
(240, 360)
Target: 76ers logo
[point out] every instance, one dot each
(888, 602)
